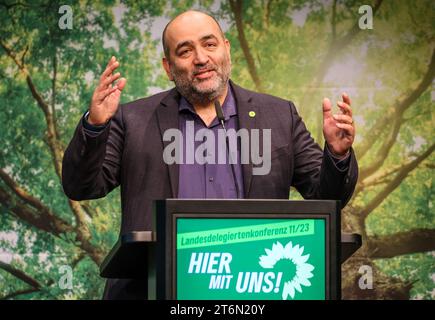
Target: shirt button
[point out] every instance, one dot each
(210, 179)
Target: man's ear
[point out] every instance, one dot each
(165, 64)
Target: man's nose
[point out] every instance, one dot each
(201, 57)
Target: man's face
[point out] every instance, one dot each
(199, 58)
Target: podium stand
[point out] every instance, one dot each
(237, 249)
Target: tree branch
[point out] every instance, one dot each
(77, 260)
(91, 212)
(384, 150)
(47, 221)
(57, 225)
(237, 7)
(24, 55)
(390, 187)
(54, 143)
(395, 112)
(20, 275)
(42, 220)
(413, 241)
(424, 114)
(266, 16)
(9, 6)
(36, 286)
(24, 195)
(381, 178)
(53, 140)
(54, 92)
(19, 293)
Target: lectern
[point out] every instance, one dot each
(237, 249)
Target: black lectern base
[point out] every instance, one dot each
(129, 258)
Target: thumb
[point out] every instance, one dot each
(327, 108)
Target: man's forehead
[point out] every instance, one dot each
(191, 28)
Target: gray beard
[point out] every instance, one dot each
(203, 97)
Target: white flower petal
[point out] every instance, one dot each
(304, 274)
(299, 251)
(286, 291)
(297, 285)
(266, 262)
(296, 249)
(277, 251)
(277, 246)
(287, 250)
(305, 282)
(307, 267)
(302, 259)
(281, 251)
(292, 253)
(292, 290)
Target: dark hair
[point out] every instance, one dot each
(165, 45)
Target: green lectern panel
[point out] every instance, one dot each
(259, 259)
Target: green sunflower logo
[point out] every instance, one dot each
(292, 263)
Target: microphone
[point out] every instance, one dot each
(220, 114)
(221, 118)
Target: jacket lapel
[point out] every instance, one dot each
(247, 113)
(167, 116)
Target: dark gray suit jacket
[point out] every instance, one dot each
(128, 152)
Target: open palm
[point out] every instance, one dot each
(106, 97)
(338, 129)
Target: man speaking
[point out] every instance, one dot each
(125, 145)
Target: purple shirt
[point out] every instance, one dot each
(207, 180)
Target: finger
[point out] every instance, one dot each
(348, 128)
(346, 98)
(109, 69)
(121, 83)
(343, 118)
(110, 80)
(345, 108)
(110, 62)
(103, 94)
(327, 108)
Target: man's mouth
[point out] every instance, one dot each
(204, 74)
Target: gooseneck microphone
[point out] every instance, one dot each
(221, 118)
(220, 114)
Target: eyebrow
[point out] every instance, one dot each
(189, 42)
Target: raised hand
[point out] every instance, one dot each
(105, 100)
(338, 129)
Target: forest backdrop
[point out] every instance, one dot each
(301, 50)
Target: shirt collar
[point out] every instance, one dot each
(228, 107)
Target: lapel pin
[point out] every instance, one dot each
(252, 114)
